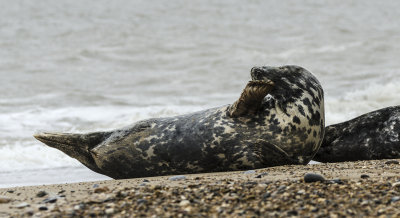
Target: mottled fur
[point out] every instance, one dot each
(372, 136)
(278, 119)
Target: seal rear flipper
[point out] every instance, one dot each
(77, 146)
(251, 98)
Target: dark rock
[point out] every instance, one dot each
(392, 162)
(95, 185)
(50, 200)
(41, 194)
(145, 180)
(43, 208)
(261, 175)
(364, 176)
(10, 191)
(292, 213)
(313, 177)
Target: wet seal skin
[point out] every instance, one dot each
(372, 136)
(278, 120)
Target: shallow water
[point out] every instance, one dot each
(99, 65)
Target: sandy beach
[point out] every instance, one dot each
(364, 188)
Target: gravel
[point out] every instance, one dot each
(283, 192)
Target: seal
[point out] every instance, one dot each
(372, 136)
(278, 120)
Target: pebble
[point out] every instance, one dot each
(336, 181)
(109, 211)
(145, 180)
(141, 201)
(95, 185)
(364, 176)
(184, 203)
(50, 200)
(21, 205)
(249, 172)
(396, 185)
(41, 194)
(176, 178)
(395, 199)
(313, 177)
(261, 175)
(392, 162)
(101, 189)
(4, 199)
(43, 208)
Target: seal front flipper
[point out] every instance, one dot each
(272, 154)
(77, 146)
(251, 98)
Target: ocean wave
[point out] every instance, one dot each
(357, 102)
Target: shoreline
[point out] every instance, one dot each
(368, 188)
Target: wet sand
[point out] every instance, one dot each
(364, 188)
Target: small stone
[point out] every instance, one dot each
(364, 176)
(396, 185)
(21, 205)
(109, 211)
(101, 189)
(4, 199)
(95, 185)
(266, 195)
(336, 181)
(249, 172)
(43, 208)
(261, 175)
(145, 180)
(395, 199)
(313, 177)
(292, 213)
(41, 194)
(176, 178)
(184, 203)
(10, 191)
(392, 162)
(141, 201)
(50, 200)
(142, 184)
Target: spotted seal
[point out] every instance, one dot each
(372, 136)
(278, 119)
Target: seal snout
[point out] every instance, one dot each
(260, 73)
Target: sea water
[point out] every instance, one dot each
(83, 66)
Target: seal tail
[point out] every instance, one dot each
(77, 146)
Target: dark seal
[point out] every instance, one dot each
(278, 119)
(372, 136)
